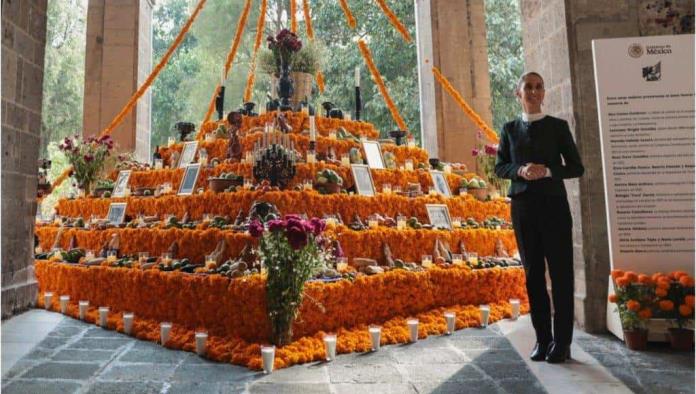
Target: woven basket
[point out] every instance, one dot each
(302, 84)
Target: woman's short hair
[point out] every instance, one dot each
(524, 76)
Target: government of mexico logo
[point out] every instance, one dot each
(635, 50)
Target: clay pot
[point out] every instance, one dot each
(636, 339)
(99, 192)
(479, 193)
(220, 184)
(681, 338)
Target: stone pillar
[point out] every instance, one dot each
(451, 35)
(557, 36)
(23, 43)
(118, 59)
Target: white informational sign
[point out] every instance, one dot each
(645, 99)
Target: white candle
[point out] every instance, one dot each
(372, 223)
(201, 339)
(386, 189)
(413, 329)
(48, 297)
(427, 261)
(82, 307)
(432, 191)
(411, 143)
(400, 223)
(222, 77)
(158, 164)
(357, 76)
(64, 303)
(312, 129)
(342, 264)
(457, 222)
(450, 318)
(375, 333)
(332, 135)
(128, 322)
(515, 304)
(103, 316)
(345, 160)
(268, 356)
(348, 116)
(171, 141)
(330, 344)
(485, 314)
(311, 157)
(457, 259)
(409, 165)
(447, 169)
(165, 327)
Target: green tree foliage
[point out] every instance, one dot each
(64, 70)
(505, 58)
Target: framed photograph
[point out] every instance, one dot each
(188, 153)
(117, 212)
(363, 179)
(121, 183)
(440, 183)
(439, 215)
(373, 153)
(188, 182)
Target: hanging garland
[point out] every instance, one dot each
(394, 20)
(349, 15)
(293, 16)
(257, 44)
(473, 116)
(365, 51)
(308, 20)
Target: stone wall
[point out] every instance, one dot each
(557, 36)
(23, 43)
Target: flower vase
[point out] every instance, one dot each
(681, 338)
(636, 339)
(285, 87)
(87, 187)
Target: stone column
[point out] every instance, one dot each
(557, 36)
(23, 43)
(452, 36)
(118, 59)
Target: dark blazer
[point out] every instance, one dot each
(544, 141)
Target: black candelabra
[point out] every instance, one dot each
(220, 102)
(358, 103)
(274, 159)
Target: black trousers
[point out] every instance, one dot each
(544, 232)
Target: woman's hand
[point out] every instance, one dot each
(532, 172)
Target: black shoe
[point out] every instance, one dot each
(558, 353)
(539, 351)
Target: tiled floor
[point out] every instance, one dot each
(69, 356)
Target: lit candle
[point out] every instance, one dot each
(411, 142)
(345, 160)
(332, 135)
(485, 314)
(210, 137)
(203, 160)
(386, 189)
(515, 304)
(82, 308)
(447, 169)
(473, 259)
(171, 141)
(457, 259)
(375, 333)
(110, 256)
(128, 322)
(426, 261)
(413, 329)
(372, 223)
(166, 259)
(64, 299)
(357, 76)
(48, 297)
(268, 356)
(409, 165)
(38, 250)
(311, 157)
(305, 110)
(165, 327)
(347, 116)
(312, 129)
(450, 319)
(143, 257)
(457, 222)
(330, 344)
(210, 262)
(401, 222)
(342, 264)
(307, 185)
(158, 164)
(432, 191)
(201, 339)
(103, 316)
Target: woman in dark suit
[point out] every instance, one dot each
(537, 153)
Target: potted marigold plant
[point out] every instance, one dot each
(87, 158)
(675, 300)
(290, 249)
(633, 297)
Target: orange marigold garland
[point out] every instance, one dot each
(320, 81)
(293, 16)
(394, 20)
(308, 20)
(248, 90)
(490, 134)
(349, 15)
(365, 51)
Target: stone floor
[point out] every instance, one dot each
(75, 357)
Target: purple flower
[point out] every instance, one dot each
(292, 216)
(296, 232)
(474, 152)
(491, 149)
(88, 158)
(318, 225)
(276, 225)
(255, 228)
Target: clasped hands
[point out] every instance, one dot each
(532, 171)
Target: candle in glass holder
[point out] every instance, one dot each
(312, 128)
(143, 257)
(111, 256)
(497, 227)
(387, 189)
(48, 297)
(426, 261)
(307, 185)
(432, 191)
(515, 304)
(158, 164)
(165, 327)
(447, 169)
(400, 222)
(210, 137)
(210, 262)
(167, 259)
(408, 165)
(201, 339)
(82, 309)
(128, 322)
(103, 316)
(268, 356)
(450, 319)
(347, 117)
(411, 142)
(311, 157)
(330, 344)
(457, 259)
(457, 222)
(332, 135)
(64, 299)
(472, 258)
(372, 222)
(341, 264)
(413, 329)
(345, 160)
(485, 314)
(375, 333)
(330, 222)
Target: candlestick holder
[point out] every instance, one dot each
(276, 164)
(220, 102)
(358, 103)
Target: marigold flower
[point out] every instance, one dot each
(689, 300)
(633, 305)
(663, 284)
(613, 298)
(666, 305)
(644, 279)
(616, 274)
(686, 281)
(631, 276)
(685, 310)
(622, 282)
(645, 314)
(660, 292)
